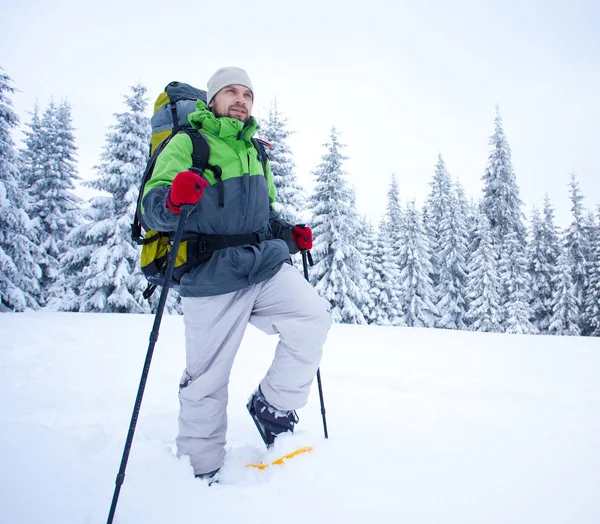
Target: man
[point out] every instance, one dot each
(252, 281)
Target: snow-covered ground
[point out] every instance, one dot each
(425, 427)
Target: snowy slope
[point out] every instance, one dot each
(425, 427)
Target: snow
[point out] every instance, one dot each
(426, 426)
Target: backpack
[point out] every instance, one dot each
(170, 117)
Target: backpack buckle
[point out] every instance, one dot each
(201, 247)
(197, 161)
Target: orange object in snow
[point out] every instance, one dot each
(279, 461)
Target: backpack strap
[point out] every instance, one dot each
(176, 126)
(138, 219)
(262, 152)
(199, 245)
(200, 149)
(200, 157)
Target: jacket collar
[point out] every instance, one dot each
(223, 127)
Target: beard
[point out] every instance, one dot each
(243, 115)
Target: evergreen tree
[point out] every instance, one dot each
(81, 261)
(592, 300)
(452, 279)
(516, 287)
(31, 168)
(19, 252)
(31, 158)
(366, 243)
(591, 232)
(415, 269)
(473, 229)
(437, 210)
(52, 172)
(501, 201)
(484, 311)
(291, 200)
(536, 255)
(394, 216)
(465, 208)
(102, 265)
(385, 290)
(469, 209)
(338, 272)
(566, 307)
(394, 220)
(368, 249)
(543, 254)
(431, 231)
(387, 305)
(577, 249)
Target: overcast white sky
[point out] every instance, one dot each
(400, 80)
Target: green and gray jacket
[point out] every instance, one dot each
(249, 195)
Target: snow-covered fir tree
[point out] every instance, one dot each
(469, 209)
(484, 311)
(102, 264)
(577, 248)
(81, 261)
(452, 277)
(394, 213)
(19, 251)
(591, 232)
(366, 244)
(417, 293)
(501, 201)
(592, 299)
(291, 199)
(389, 242)
(565, 302)
(516, 287)
(52, 172)
(465, 208)
(394, 217)
(338, 273)
(553, 246)
(31, 168)
(543, 253)
(387, 310)
(31, 157)
(435, 211)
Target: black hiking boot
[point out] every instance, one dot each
(210, 477)
(270, 421)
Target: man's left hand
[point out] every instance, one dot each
(302, 235)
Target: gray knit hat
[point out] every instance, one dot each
(227, 76)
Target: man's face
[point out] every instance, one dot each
(234, 101)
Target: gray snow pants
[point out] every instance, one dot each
(285, 304)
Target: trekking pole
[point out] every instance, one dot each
(185, 211)
(306, 257)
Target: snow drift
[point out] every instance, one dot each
(426, 426)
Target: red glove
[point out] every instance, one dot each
(187, 188)
(302, 235)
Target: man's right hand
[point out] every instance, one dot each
(187, 188)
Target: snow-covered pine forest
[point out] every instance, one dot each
(458, 262)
